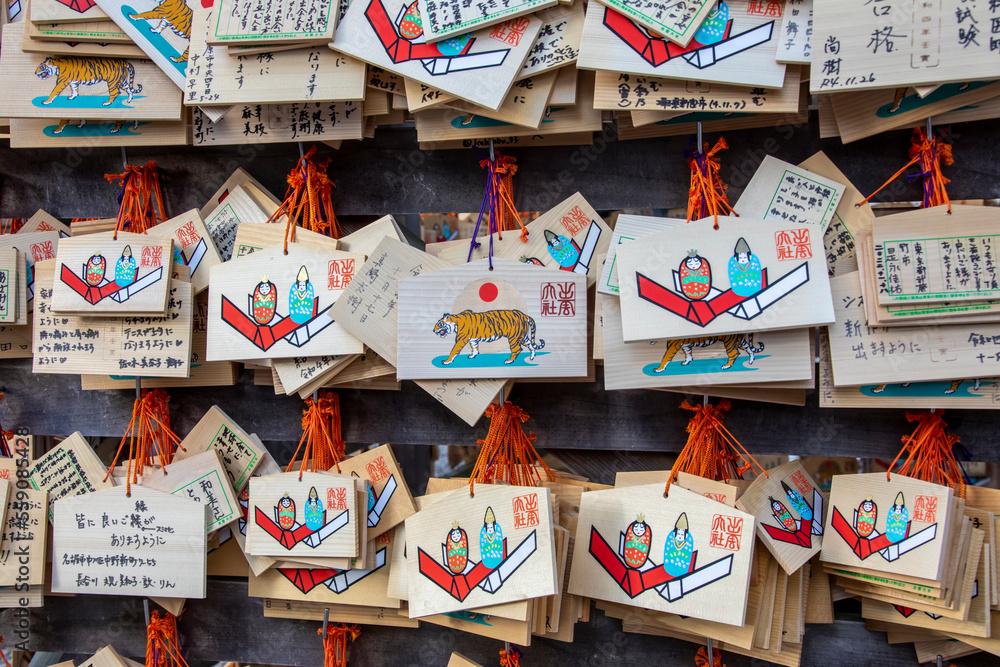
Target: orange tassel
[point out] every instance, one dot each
(510, 657)
(711, 450)
(140, 191)
(930, 454)
(931, 154)
(335, 643)
(507, 454)
(11, 225)
(701, 658)
(162, 647)
(321, 435)
(307, 201)
(149, 436)
(707, 194)
(502, 183)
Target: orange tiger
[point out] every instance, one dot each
(73, 71)
(173, 13)
(733, 342)
(475, 328)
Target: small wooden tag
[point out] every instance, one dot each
(202, 478)
(71, 468)
(149, 543)
(239, 453)
(790, 509)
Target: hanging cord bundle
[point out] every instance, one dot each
(307, 201)
(5, 436)
(149, 436)
(507, 455)
(510, 656)
(930, 453)
(707, 194)
(11, 225)
(701, 658)
(140, 191)
(711, 450)
(931, 153)
(321, 429)
(498, 201)
(335, 643)
(162, 647)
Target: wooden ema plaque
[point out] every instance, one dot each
(239, 452)
(161, 28)
(389, 498)
(629, 228)
(514, 321)
(107, 543)
(201, 478)
(450, 570)
(479, 67)
(932, 255)
(75, 11)
(677, 21)
(744, 358)
(748, 275)
(315, 516)
(24, 536)
(706, 552)
(193, 246)
(60, 87)
(735, 45)
(789, 508)
(789, 194)
(365, 586)
(897, 526)
(273, 305)
(441, 19)
(37, 247)
(97, 275)
(8, 285)
(71, 468)
(929, 42)
(279, 22)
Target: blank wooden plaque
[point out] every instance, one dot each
(544, 311)
(782, 285)
(99, 549)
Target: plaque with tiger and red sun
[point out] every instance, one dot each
(509, 321)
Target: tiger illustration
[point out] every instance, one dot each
(173, 13)
(734, 344)
(475, 328)
(73, 72)
(955, 384)
(118, 125)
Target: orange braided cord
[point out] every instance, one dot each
(930, 153)
(930, 454)
(11, 225)
(148, 435)
(707, 193)
(510, 657)
(162, 647)
(502, 184)
(321, 444)
(701, 658)
(711, 450)
(307, 201)
(335, 643)
(507, 454)
(140, 191)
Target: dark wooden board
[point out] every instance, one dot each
(390, 173)
(228, 625)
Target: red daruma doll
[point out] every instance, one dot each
(638, 537)
(94, 270)
(457, 547)
(696, 276)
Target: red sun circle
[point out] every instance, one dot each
(488, 292)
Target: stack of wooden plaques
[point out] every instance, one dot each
(916, 323)
(916, 556)
(718, 585)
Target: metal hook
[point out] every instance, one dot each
(301, 153)
(138, 388)
(491, 151)
(326, 620)
(704, 399)
(940, 661)
(124, 159)
(145, 607)
(930, 128)
(699, 137)
(711, 659)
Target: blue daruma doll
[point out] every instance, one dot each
(300, 298)
(125, 268)
(745, 275)
(314, 511)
